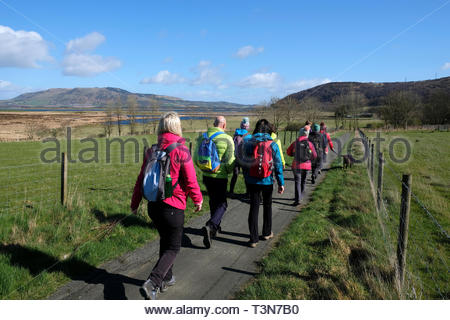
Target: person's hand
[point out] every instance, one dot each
(284, 167)
(197, 207)
(280, 189)
(134, 211)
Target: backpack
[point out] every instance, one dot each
(157, 167)
(208, 158)
(303, 151)
(238, 143)
(317, 140)
(262, 159)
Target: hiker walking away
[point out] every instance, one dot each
(239, 135)
(303, 152)
(307, 127)
(263, 160)
(327, 141)
(317, 140)
(166, 179)
(215, 157)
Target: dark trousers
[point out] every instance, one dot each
(255, 190)
(300, 180)
(316, 166)
(234, 178)
(169, 222)
(217, 192)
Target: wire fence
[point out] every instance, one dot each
(417, 242)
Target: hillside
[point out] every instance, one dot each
(99, 97)
(374, 92)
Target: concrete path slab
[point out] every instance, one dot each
(215, 273)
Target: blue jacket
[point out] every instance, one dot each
(240, 132)
(277, 164)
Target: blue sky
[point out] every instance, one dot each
(238, 51)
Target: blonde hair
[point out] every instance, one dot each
(170, 122)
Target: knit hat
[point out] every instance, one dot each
(245, 123)
(316, 128)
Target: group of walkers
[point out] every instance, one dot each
(167, 177)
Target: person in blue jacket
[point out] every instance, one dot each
(238, 138)
(262, 162)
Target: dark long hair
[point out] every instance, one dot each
(263, 126)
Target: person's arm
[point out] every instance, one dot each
(137, 192)
(330, 142)
(229, 154)
(313, 149)
(278, 165)
(290, 150)
(281, 152)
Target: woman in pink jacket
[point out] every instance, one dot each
(168, 214)
(303, 152)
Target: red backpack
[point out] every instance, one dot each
(262, 165)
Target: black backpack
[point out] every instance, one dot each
(303, 152)
(317, 140)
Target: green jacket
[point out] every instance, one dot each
(225, 149)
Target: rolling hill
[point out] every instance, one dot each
(374, 92)
(99, 98)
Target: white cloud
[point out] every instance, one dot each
(79, 62)
(9, 90)
(164, 77)
(22, 49)
(87, 43)
(247, 51)
(269, 80)
(87, 65)
(207, 74)
(446, 66)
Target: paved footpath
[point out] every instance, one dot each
(215, 273)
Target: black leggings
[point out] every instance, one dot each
(169, 222)
(254, 191)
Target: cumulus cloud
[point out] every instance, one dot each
(269, 80)
(207, 74)
(85, 44)
(78, 61)
(248, 51)
(22, 49)
(446, 66)
(164, 77)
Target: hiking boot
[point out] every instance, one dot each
(167, 284)
(149, 290)
(270, 236)
(296, 203)
(206, 236)
(313, 180)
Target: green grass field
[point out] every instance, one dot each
(336, 248)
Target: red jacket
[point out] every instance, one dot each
(291, 152)
(327, 135)
(181, 170)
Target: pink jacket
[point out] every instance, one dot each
(181, 170)
(330, 142)
(291, 152)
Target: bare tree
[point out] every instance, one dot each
(309, 109)
(401, 108)
(132, 112)
(290, 108)
(154, 106)
(108, 124)
(274, 111)
(118, 113)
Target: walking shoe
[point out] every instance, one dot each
(167, 284)
(270, 236)
(252, 244)
(313, 180)
(296, 203)
(149, 290)
(206, 237)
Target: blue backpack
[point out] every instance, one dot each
(156, 169)
(208, 158)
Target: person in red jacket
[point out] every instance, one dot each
(301, 166)
(327, 141)
(168, 214)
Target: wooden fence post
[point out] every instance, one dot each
(64, 164)
(380, 181)
(403, 228)
(284, 139)
(143, 154)
(371, 161)
(291, 137)
(368, 154)
(190, 147)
